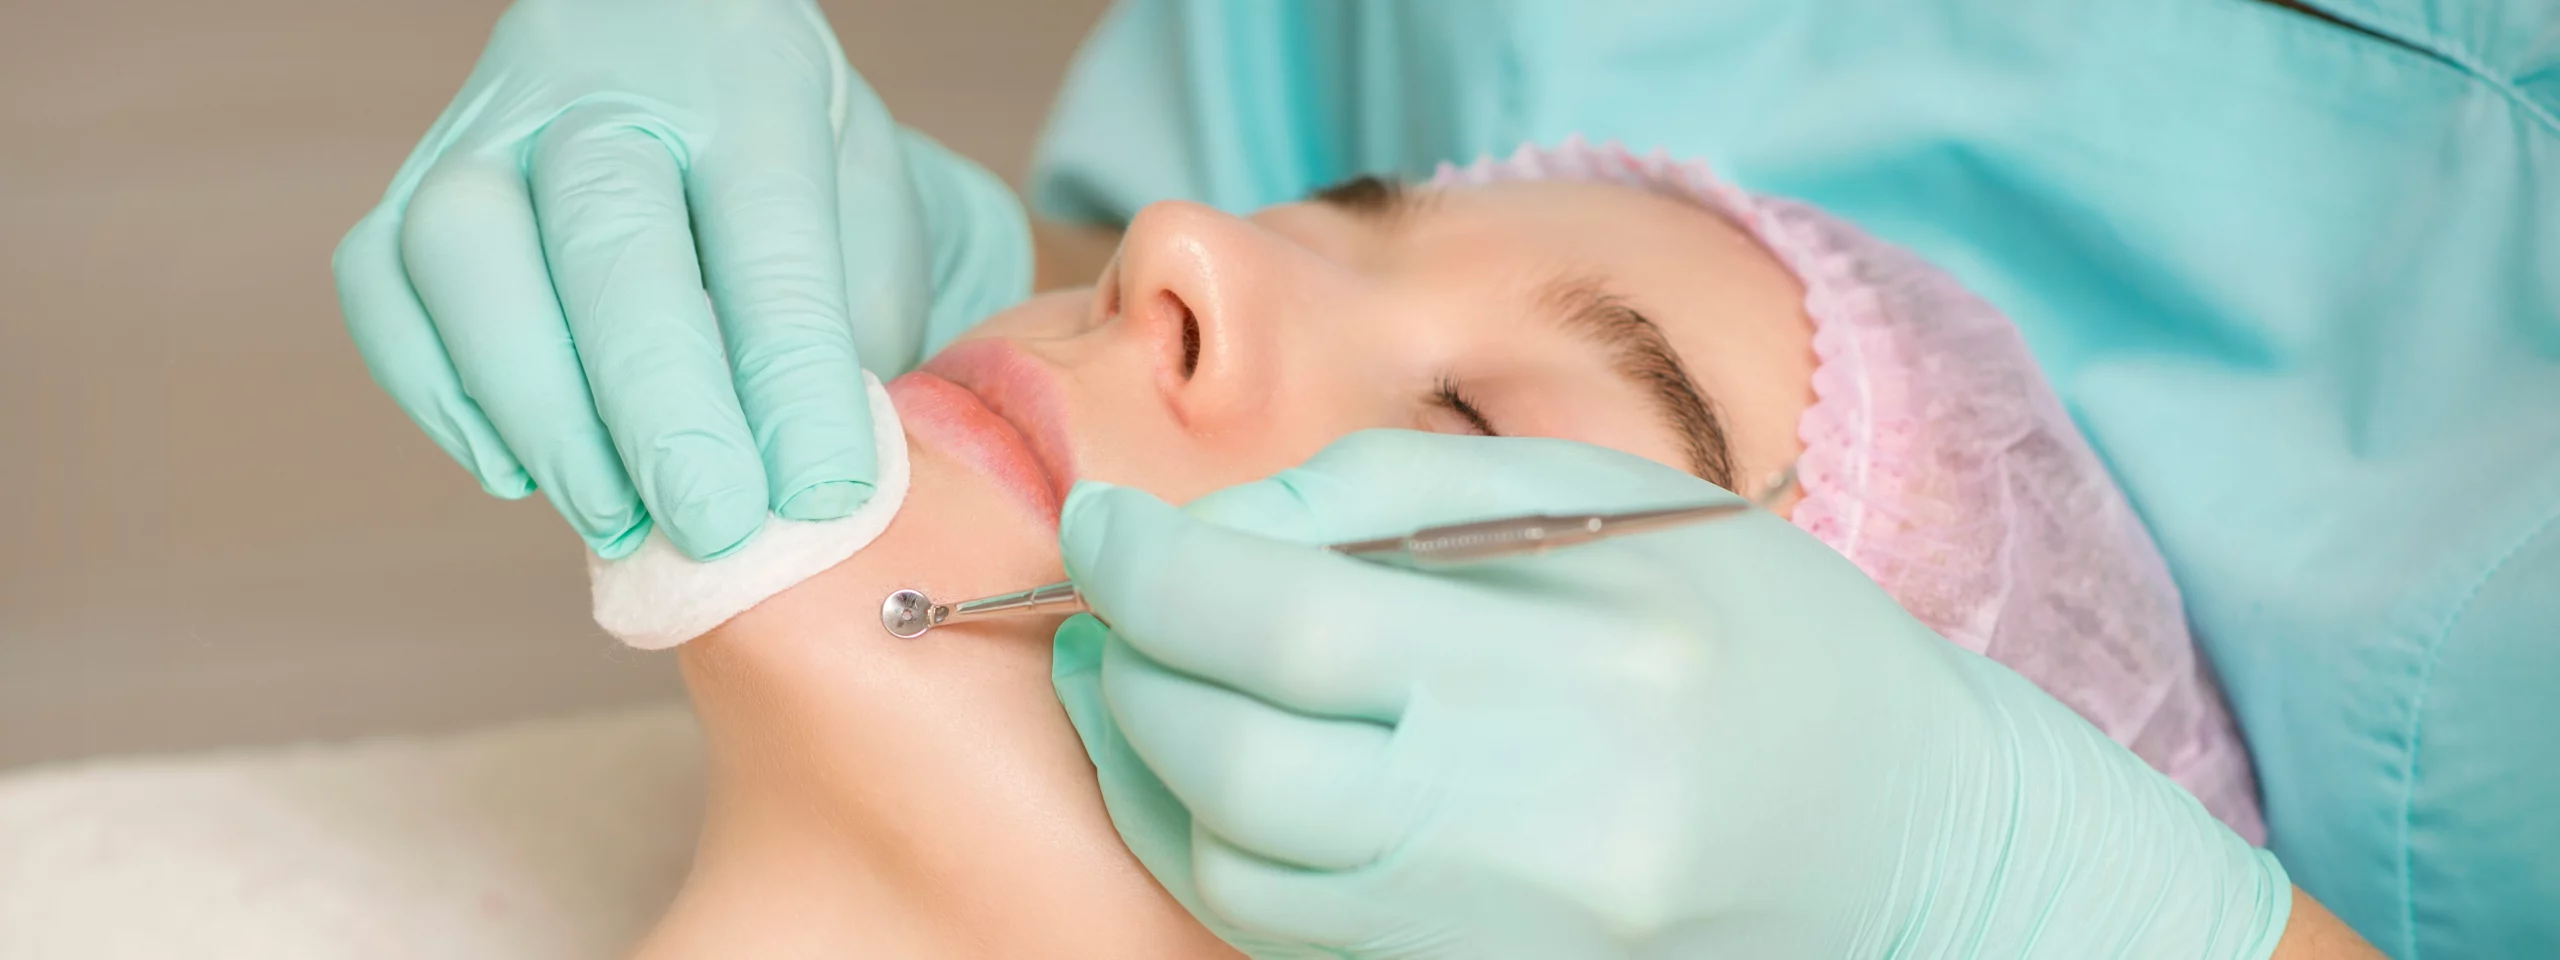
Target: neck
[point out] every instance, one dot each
(773, 878)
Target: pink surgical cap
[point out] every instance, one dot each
(1938, 460)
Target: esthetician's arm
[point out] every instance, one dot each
(2313, 933)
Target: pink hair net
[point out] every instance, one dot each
(1938, 460)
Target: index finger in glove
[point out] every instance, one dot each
(1313, 631)
(1378, 483)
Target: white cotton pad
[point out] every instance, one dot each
(657, 597)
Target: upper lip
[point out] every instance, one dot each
(1020, 390)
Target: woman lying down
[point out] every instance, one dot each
(873, 796)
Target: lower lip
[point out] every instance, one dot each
(948, 418)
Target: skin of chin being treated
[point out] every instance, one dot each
(878, 796)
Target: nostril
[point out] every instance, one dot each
(1190, 343)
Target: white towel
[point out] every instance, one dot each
(544, 840)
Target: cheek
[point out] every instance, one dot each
(1126, 435)
(1334, 371)
(1154, 453)
(807, 687)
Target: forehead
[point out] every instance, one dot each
(1657, 250)
(1568, 212)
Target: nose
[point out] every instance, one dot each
(1204, 293)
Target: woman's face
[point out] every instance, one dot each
(1217, 349)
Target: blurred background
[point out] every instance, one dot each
(214, 530)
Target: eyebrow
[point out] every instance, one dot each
(1643, 357)
(1367, 197)
(1586, 307)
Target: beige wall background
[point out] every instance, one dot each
(213, 528)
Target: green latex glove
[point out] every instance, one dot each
(1716, 741)
(532, 288)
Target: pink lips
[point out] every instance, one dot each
(999, 410)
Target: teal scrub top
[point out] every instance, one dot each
(2298, 278)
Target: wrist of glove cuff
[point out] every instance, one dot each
(2073, 847)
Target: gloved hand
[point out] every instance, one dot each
(1715, 741)
(532, 288)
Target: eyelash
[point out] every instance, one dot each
(1450, 396)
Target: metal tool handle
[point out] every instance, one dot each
(1059, 597)
(908, 613)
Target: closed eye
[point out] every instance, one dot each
(1448, 395)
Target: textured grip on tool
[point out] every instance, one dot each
(1485, 540)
